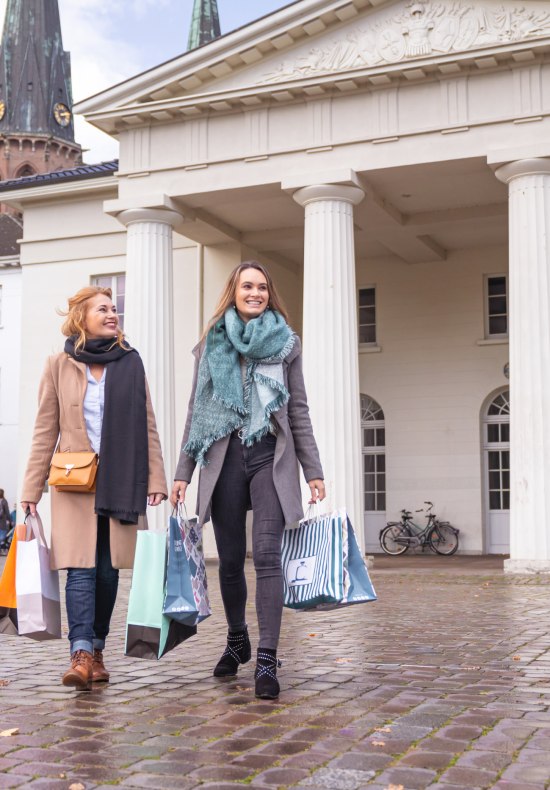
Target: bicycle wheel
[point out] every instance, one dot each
(443, 539)
(388, 539)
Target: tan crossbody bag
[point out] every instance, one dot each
(74, 472)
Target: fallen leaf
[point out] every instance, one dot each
(378, 743)
(312, 634)
(471, 669)
(394, 787)
(239, 688)
(62, 776)
(77, 786)
(343, 660)
(7, 733)
(382, 729)
(516, 658)
(4, 683)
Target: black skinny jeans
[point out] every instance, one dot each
(247, 477)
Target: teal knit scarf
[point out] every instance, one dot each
(222, 402)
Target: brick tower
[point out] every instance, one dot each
(36, 122)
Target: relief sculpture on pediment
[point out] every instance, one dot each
(423, 28)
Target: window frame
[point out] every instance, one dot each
(486, 304)
(94, 280)
(367, 343)
(374, 451)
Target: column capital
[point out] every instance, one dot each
(163, 215)
(317, 192)
(523, 167)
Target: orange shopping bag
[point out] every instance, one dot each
(7, 580)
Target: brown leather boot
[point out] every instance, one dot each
(99, 673)
(80, 673)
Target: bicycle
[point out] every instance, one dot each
(398, 536)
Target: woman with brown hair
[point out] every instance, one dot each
(247, 427)
(94, 397)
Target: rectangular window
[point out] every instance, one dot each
(367, 315)
(117, 284)
(496, 319)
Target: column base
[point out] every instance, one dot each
(527, 566)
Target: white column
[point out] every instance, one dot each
(148, 320)
(529, 330)
(331, 366)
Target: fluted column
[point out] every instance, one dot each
(331, 366)
(148, 319)
(529, 288)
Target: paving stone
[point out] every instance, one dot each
(337, 779)
(469, 777)
(410, 778)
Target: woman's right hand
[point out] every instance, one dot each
(178, 492)
(29, 506)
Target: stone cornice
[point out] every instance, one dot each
(492, 58)
(52, 191)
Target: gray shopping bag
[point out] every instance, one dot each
(36, 586)
(186, 597)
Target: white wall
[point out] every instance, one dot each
(10, 333)
(431, 379)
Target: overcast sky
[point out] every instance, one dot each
(112, 40)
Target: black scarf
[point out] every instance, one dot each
(123, 471)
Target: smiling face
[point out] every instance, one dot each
(101, 318)
(251, 294)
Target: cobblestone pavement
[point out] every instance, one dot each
(442, 683)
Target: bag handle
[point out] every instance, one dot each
(34, 527)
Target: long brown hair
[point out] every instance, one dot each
(227, 298)
(75, 321)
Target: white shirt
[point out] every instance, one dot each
(94, 402)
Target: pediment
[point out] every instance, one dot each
(412, 31)
(324, 39)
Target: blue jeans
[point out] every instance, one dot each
(90, 594)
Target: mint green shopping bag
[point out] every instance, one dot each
(149, 633)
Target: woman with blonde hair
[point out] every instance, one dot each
(94, 397)
(247, 427)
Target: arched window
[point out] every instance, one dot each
(496, 440)
(374, 455)
(25, 170)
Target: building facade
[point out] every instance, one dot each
(390, 162)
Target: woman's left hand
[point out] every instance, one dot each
(155, 499)
(317, 488)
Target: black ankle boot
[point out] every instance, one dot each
(237, 651)
(267, 685)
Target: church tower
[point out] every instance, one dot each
(36, 121)
(205, 23)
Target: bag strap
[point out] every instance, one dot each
(34, 527)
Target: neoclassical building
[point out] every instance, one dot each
(390, 161)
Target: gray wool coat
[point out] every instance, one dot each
(295, 443)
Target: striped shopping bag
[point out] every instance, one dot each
(322, 564)
(313, 563)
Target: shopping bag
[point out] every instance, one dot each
(7, 580)
(37, 587)
(8, 621)
(322, 565)
(313, 562)
(186, 586)
(149, 632)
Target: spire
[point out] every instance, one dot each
(35, 72)
(205, 23)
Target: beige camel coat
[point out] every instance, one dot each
(60, 425)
